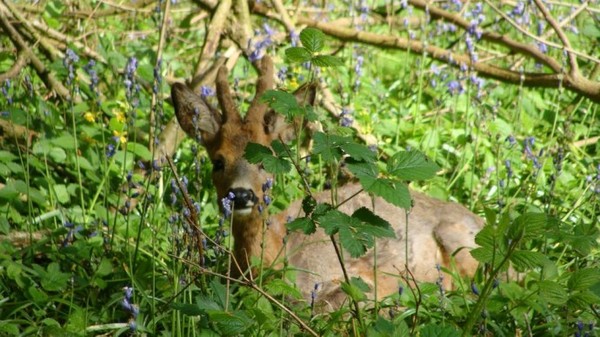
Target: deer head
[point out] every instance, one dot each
(225, 134)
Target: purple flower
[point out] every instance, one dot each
(346, 117)
(455, 88)
(206, 91)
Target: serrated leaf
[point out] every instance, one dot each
(552, 292)
(139, 150)
(482, 254)
(297, 55)
(282, 102)
(353, 291)
(232, 323)
(256, 153)
(351, 242)
(435, 330)
(332, 220)
(280, 287)
(187, 309)
(366, 172)
(412, 165)
(355, 150)
(583, 279)
(324, 147)
(527, 226)
(325, 61)
(394, 192)
(276, 165)
(306, 225)
(524, 259)
(372, 224)
(312, 39)
(583, 300)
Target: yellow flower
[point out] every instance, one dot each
(120, 116)
(122, 136)
(90, 117)
(293, 83)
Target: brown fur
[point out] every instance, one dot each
(438, 232)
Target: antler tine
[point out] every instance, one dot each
(230, 111)
(257, 110)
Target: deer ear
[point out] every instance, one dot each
(306, 94)
(275, 124)
(195, 117)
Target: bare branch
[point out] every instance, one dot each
(14, 71)
(49, 80)
(213, 35)
(561, 35)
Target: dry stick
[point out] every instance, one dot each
(552, 44)
(116, 10)
(51, 83)
(583, 86)
(14, 71)
(192, 220)
(51, 51)
(515, 46)
(547, 34)
(161, 45)
(213, 36)
(58, 36)
(580, 85)
(285, 18)
(562, 36)
(251, 284)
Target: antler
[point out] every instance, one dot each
(230, 111)
(257, 110)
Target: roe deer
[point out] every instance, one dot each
(437, 231)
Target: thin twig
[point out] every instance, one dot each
(51, 83)
(14, 71)
(561, 36)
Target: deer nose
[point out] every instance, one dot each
(243, 197)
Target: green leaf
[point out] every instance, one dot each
(298, 55)
(412, 165)
(583, 279)
(351, 242)
(355, 289)
(372, 224)
(54, 279)
(282, 102)
(188, 309)
(325, 61)
(325, 147)
(527, 226)
(366, 172)
(139, 150)
(276, 165)
(394, 192)
(61, 193)
(312, 39)
(232, 323)
(306, 225)
(435, 330)
(524, 259)
(332, 220)
(583, 300)
(552, 292)
(255, 153)
(280, 287)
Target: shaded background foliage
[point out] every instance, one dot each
(96, 232)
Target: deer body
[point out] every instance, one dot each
(437, 231)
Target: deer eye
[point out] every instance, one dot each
(218, 165)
